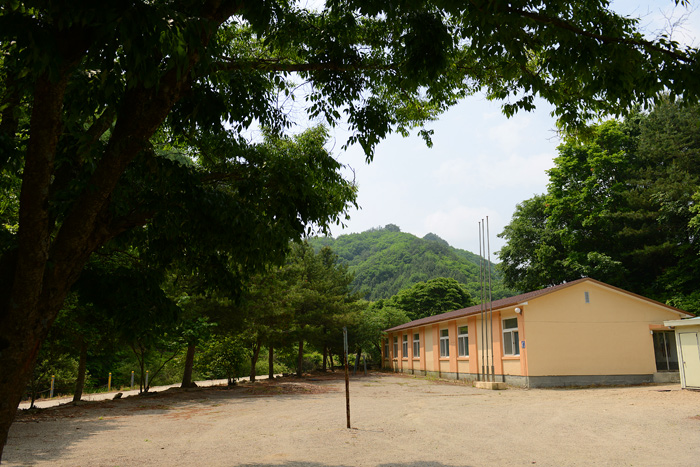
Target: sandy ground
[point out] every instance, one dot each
(396, 421)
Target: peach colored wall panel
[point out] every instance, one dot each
(423, 348)
(452, 326)
(511, 366)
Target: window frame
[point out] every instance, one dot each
(416, 345)
(511, 335)
(444, 343)
(396, 347)
(463, 341)
(386, 349)
(404, 347)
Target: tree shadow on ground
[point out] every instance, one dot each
(390, 464)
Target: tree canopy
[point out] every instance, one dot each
(433, 297)
(102, 105)
(620, 207)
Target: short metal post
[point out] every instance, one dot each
(109, 383)
(53, 378)
(347, 376)
(132, 379)
(145, 387)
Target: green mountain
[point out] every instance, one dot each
(386, 260)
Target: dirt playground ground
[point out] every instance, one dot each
(396, 421)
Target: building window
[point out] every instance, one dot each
(386, 348)
(444, 343)
(586, 297)
(396, 347)
(463, 341)
(404, 346)
(665, 351)
(510, 337)
(416, 345)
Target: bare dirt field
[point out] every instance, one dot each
(396, 421)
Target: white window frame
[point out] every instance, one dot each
(463, 341)
(511, 336)
(404, 346)
(416, 345)
(444, 343)
(396, 347)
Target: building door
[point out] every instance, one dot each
(690, 356)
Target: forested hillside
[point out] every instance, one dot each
(386, 260)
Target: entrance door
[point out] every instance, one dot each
(690, 355)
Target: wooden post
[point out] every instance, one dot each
(347, 375)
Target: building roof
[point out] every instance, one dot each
(683, 322)
(520, 299)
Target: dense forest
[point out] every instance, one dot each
(386, 260)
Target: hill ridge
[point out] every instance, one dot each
(386, 260)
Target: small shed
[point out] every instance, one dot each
(688, 344)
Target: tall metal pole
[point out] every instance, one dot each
(488, 243)
(481, 301)
(488, 324)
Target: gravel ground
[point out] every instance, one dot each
(396, 421)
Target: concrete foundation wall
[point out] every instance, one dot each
(559, 381)
(667, 377)
(588, 380)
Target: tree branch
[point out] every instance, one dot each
(543, 19)
(284, 66)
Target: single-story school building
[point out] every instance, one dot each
(583, 332)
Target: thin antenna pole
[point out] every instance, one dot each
(488, 243)
(481, 301)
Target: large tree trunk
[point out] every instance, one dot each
(29, 304)
(270, 362)
(80, 380)
(189, 364)
(36, 277)
(300, 360)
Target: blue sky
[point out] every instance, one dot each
(481, 163)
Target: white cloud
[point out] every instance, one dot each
(496, 170)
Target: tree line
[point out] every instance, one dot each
(293, 314)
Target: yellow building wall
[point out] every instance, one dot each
(463, 366)
(609, 336)
(428, 347)
(511, 366)
(444, 365)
